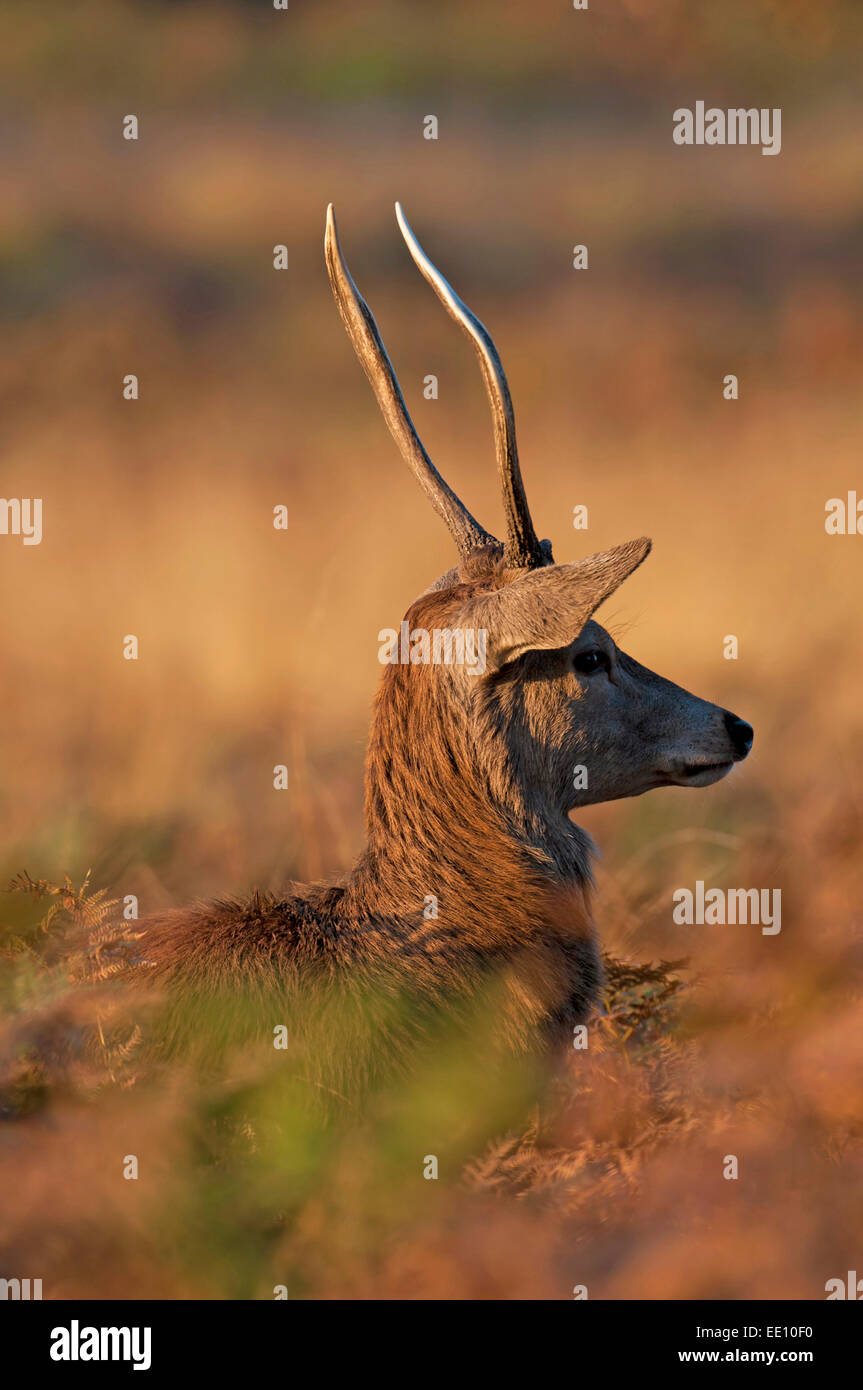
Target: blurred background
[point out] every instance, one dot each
(259, 647)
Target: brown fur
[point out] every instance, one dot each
(446, 815)
(469, 776)
(468, 789)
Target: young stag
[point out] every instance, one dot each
(473, 869)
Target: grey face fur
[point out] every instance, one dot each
(629, 728)
(563, 705)
(641, 730)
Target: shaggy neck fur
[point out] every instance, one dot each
(451, 813)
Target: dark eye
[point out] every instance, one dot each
(588, 663)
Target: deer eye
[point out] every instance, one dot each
(588, 663)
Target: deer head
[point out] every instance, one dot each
(528, 700)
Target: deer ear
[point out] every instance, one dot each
(547, 608)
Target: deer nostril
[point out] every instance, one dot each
(740, 733)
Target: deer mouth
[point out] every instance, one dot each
(701, 774)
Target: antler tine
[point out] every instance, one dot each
(522, 546)
(368, 345)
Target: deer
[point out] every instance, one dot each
(473, 869)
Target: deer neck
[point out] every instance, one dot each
(451, 822)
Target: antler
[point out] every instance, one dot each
(522, 548)
(368, 345)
